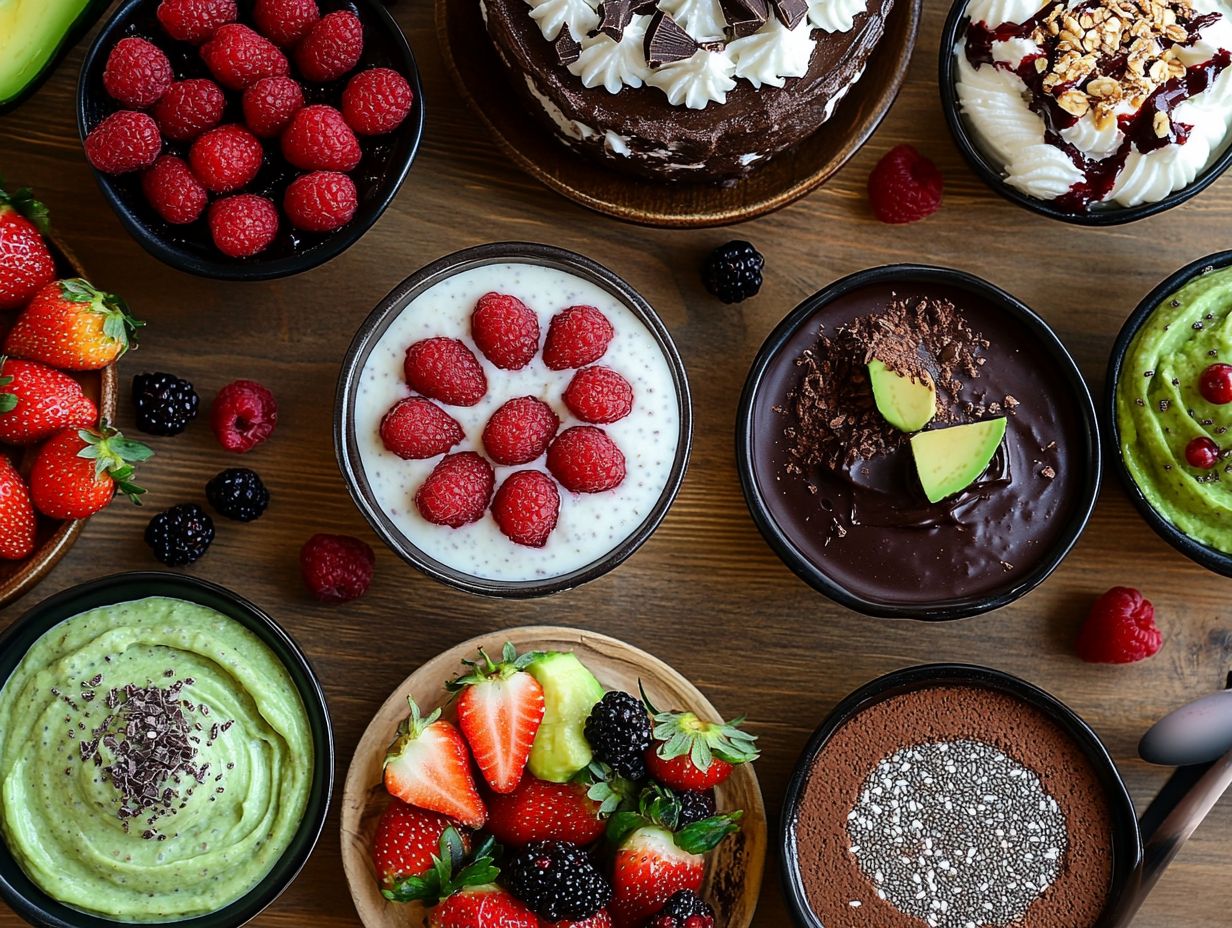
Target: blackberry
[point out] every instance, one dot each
(558, 881)
(695, 805)
(618, 731)
(732, 272)
(685, 909)
(180, 535)
(238, 493)
(164, 404)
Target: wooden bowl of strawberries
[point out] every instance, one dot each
(60, 460)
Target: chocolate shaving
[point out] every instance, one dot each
(666, 42)
(790, 12)
(745, 16)
(568, 49)
(615, 15)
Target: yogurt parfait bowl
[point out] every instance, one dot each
(1095, 113)
(1168, 395)
(513, 420)
(166, 757)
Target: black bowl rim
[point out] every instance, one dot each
(1211, 558)
(922, 676)
(812, 574)
(993, 177)
(391, 305)
(41, 910)
(252, 269)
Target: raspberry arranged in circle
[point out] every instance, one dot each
(238, 56)
(526, 507)
(195, 21)
(189, 108)
(446, 370)
(285, 22)
(505, 330)
(577, 336)
(331, 48)
(226, 158)
(321, 201)
(416, 429)
(243, 225)
(520, 431)
(174, 191)
(586, 460)
(599, 394)
(376, 101)
(457, 491)
(270, 104)
(123, 142)
(318, 139)
(137, 73)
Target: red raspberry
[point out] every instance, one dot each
(599, 394)
(416, 429)
(137, 73)
(376, 101)
(446, 370)
(526, 507)
(1120, 629)
(1215, 384)
(319, 139)
(904, 186)
(520, 431)
(336, 568)
(321, 201)
(243, 415)
(243, 225)
(331, 48)
(270, 104)
(125, 141)
(577, 336)
(285, 22)
(505, 330)
(173, 191)
(585, 460)
(226, 158)
(195, 21)
(238, 57)
(190, 107)
(457, 491)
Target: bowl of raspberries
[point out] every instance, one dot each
(249, 140)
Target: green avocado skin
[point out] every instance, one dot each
(35, 35)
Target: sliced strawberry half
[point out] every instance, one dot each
(428, 766)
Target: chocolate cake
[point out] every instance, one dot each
(684, 90)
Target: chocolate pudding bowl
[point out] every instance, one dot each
(868, 512)
(949, 796)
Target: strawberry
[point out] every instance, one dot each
(500, 707)
(72, 326)
(446, 872)
(406, 841)
(689, 753)
(17, 519)
(577, 336)
(78, 471)
(505, 329)
(429, 767)
(26, 264)
(36, 401)
(651, 867)
(540, 811)
(482, 907)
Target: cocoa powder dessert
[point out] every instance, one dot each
(952, 807)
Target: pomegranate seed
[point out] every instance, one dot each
(1202, 453)
(1215, 384)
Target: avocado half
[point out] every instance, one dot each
(34, 36)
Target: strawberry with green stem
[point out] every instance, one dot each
(406, 842)
(78, 471)
(428, 766)
(26, 263)
(540, 811)
(449, 870)
(71, 325)
(36, 401)
(690, 753)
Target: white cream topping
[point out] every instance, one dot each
(614, 65)
(705, 78)
(581, 16)
(702, 19)
(772, 54)
(834, 15)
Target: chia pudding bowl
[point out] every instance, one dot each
(594, 527)
(166, 757)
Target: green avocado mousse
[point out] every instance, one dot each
(155, 761)
(1173, 410)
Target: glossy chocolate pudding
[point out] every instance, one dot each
(951, 806)
(866, 524)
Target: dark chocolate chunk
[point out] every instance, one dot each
(666, 42)
(567, 48)
(615, 15)
(745, 16)
(790, 12)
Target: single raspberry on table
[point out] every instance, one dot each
(457, 491)
(238, 57)
(446, 370)
(174, 191)
(321, 201)
(226, 158)
(336, 568)
(599, 394)
(195, 21)
(416, 428)
(189, 108)
(270, 104)
(505, 330)
(1120, 629)
(123, 142)
(318, 139)
(285, 22)
(586, 460)
(331, 48)
(904, 186)
(243, 225)
(526, 507)
(376, 101)
(520, 431)
(577, 336)
(243, 415)
(137, 73)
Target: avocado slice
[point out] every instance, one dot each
(949, 460)
(905, 403)
(34, 36)
(570, 691)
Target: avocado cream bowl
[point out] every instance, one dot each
(949, 511)
(166, 756)
(1171, 444)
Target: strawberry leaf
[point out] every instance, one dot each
(704, 836)
(23, 201)
(611, 791)
(112, 455)
(623, 824)
(8, 401)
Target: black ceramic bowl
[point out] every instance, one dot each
(993, 175)
(38, 908)
(1126, 851)
(386, 159)
(784, 520)
(1211, 558)
(346, 443)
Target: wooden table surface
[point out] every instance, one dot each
(705, 593)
